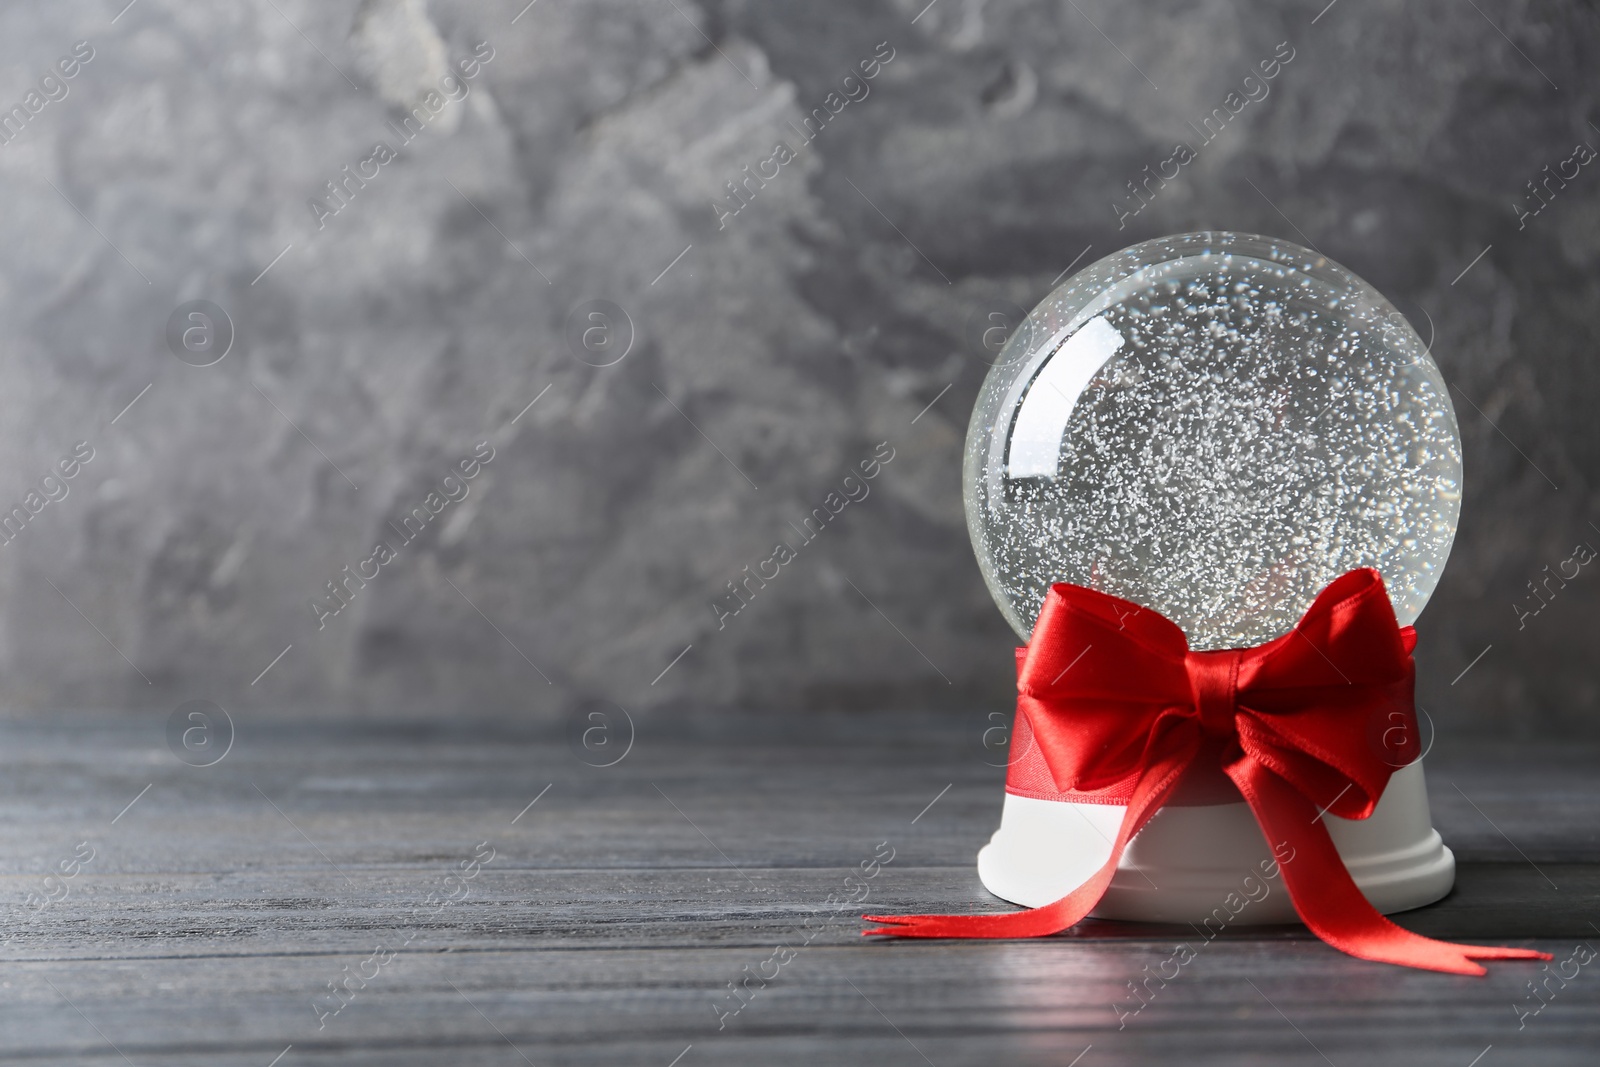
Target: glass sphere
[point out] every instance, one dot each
(1215, 426)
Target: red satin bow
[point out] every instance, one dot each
(1289, 720)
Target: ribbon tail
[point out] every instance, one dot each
(1327, 898)
(1155, 785)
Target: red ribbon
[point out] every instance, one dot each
(1289, 721)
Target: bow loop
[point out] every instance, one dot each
(1093, 728)
(1306, 698)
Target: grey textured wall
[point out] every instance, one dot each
(767, 352)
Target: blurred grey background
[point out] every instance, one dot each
(767, 352)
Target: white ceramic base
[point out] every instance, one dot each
(1185, 863)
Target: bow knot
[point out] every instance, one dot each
(1117, 703)
(1214, 677)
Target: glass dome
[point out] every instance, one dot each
(1214, 425)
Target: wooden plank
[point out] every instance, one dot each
(259, 912)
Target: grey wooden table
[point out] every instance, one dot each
(159, 913)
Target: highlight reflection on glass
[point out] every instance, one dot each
(1215, 425)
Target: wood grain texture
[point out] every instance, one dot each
(615, 911)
